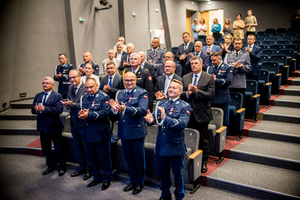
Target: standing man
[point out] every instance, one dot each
(210, 47)
(125, 61)
(222, 74)
(148, 66)
(87, 58)
(173, 116)
(121, 40)
(47, 105)
(155, 56)
(184, 49)
(61, 75)
(164, 81)
(144, 79)
(111, 58)
(240, 61)
(94, 111)
(76, 90)
(205, 58)
(199, 90)
(119, 52)
(131, 106)
(255, 56)
(250, 23)
(169, 56)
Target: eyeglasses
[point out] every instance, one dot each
(197, 46)
(130, 80)
(72, 77)
(167, 56)
(44, 83)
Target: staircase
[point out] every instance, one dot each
(266, 163)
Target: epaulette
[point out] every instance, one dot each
(146, 70)
(104, 94)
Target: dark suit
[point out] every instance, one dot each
(77, 127)
(200, 103)
(150, 68)
(117, 85)
(170, 147)
(161, 70)
(144, 80)
(205, 60)
(64, 82)
(132, 131)
(125, 58)
(160, 84)
(181, 50)
(255, 56)
(213, 49)
(98, 133)
(50, 127)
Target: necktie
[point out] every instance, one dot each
(75, 90)
(110, 81)
(208, 48)
(195, 79)
(236, 54)
(184, 46)
(170, 102)
(249, 46)
(166, 85)
(45, 95)
(128, 58)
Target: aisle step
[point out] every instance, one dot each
(283, 114)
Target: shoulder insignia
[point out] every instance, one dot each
(188, 112)
(150, 78)
(134, 90)
(177, 102)
(139, 72)
(145, 96)
(101, 92)
(146, 70)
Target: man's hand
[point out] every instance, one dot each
(191, 55)
(114, 105)
(121, 107)
(160, 96)
(149, 61)
(81, 70)
(248, 50)
(83, 114)
(67, 103)
(106, 88)
(208, 52)
(162, 111)
(36, 107)
(192, 88)
(214, 77)
(125, 64)
(149, 117)
(236, 65)
(182, 57)
(58, 75)
(41, 108)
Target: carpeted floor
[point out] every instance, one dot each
(21, 178)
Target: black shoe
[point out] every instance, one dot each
(61, 172)
(129, 187)
(138, 189)
(204, 168)
(166, 198)
(48, 171)
(77, 173)
(105, 185)
(87, 175)
(93, 183)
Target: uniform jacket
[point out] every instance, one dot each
(170, 137)
(157, 57)
(223, 80)
(74, 120)
(200, 100)
(205, 61)
(97, 125)
(96, 68)
(48, 121)
(239, 74)
(131, 121)
(64, 82)
(115, 87)
(150, 68)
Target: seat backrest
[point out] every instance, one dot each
(263, 46)
(296, 42)
(284, 42)
(257, 42)
(295, 47)
(276, 46)
(281, 58)
(275, 38)
(287, 52)
(191, 139)
(236, 100)
(269, 42)
(259, 33)
(271, 66)
(264, 58)
(252, 86)
(217, 117)
(174, 50)
(264, 75)
(270, 30)
(269, 52)
(262, 38)
(151, 134)
(289, 37)
(294, 34)
(268, 34)
(281, 30)
(281, 34)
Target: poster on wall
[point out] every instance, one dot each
(160, 34)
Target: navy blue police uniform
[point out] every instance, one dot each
(132, 131)
(64, 82)
(170, 146)
(222, 98)
(98, 133)
(96, 68)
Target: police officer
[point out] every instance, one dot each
(61, 75)
(87, 58)
(172, 116)
(144, 79)
(95, 110)
(222, 74)
(131, 106)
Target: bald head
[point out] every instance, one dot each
(87, 56)
(209, 40)
(130, 80)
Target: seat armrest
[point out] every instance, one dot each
(257, 95)
(270, 83)
(220, 139)
(240, 110)
(195, 164)
(279, 74)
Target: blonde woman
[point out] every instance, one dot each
(226, 27)
(202, 27)
(238, 26)
(216, 28)
(227, 46)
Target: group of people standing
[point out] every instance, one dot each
(250, 22)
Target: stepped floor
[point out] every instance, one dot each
(17, 141)
(279, 110)
(18, 124)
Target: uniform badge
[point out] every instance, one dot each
(97, 95)
(187, 112)
(106, 102)
(145, 97)
(150, 78)
(130, 99)
(177, 102)
(139, 72)
(134, 90)
(93, 104)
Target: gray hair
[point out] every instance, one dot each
(49, 78)
(136, 54)
(130, 44)
(119, 43)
